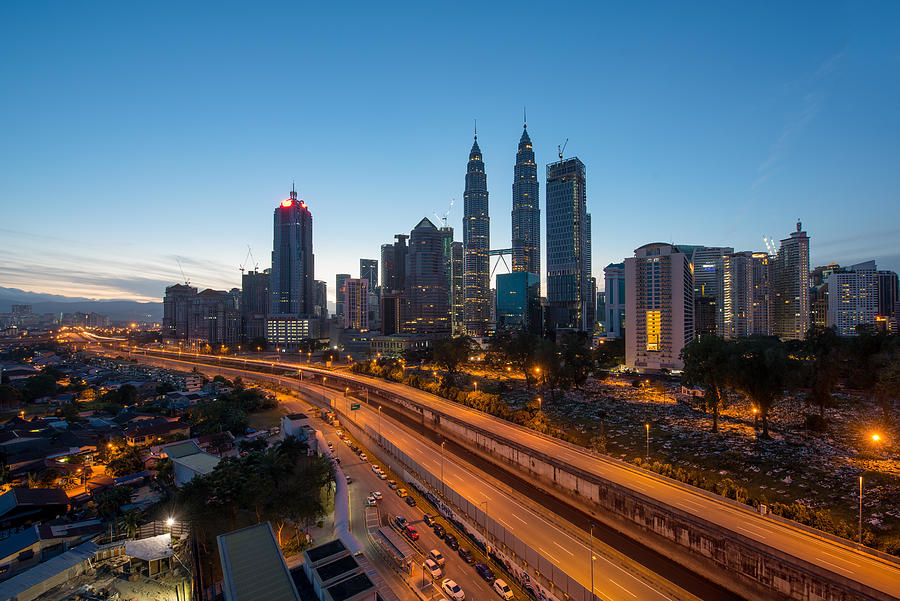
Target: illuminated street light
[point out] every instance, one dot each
(170, 521)
(876, 437)
(647, 425)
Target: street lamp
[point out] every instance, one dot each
(486, 533)
(860, 508)
(379, 423)
(476, 385)
(592, 561)
(647, 425)
(540, 404)
(443, 487)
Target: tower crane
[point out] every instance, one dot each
(245, 263)
(187, 282)
(562, 148)
(443, 219)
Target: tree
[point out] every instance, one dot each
(707, 361)
(887, 387)
(577, 359)
(131, 522)
(761, 370)
(450, 354)
(127, 461)
(823, 350)
(610, 353)
(521, 349)
(110, 500)
(9, 396)
(39, 386)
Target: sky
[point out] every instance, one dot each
(137, 135)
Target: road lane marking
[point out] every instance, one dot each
(840, 558)
(622, 587)
(546, 554)
(753, 532)
(834, 565)
(563, 548)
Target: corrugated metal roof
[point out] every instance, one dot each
(254, 567)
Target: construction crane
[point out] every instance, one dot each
(770, 245)
(250, 256)
(562, 148)
(187, 282)
(443, 219)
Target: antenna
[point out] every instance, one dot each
(562, 148)
(524, 118)
(187, 282)
(476, 129)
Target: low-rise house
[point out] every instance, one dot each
(189, 461)
(146, 434)
(21, 506)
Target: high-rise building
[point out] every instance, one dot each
(855, 296)
(659, 298)
(321, 299)
(887, 294)
(737, 295)
(177, 310)
(356, 304)
(569, 247)
(614, 278)
(818, 294)
(761, 294)
(392, 311)
(292, 279)
(704, 316)
(254, 304)
(519, 301)
(601, 311)
(476, 241)
(427, 279)
(368, 270)
(526, 211)
(708, 278)
(393, 264)
(340, 294)
(457, 288)
(791, 287)
(215, 318)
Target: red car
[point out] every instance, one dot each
(411, 533)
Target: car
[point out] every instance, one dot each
(370, 501)
(330, 445)
(400, 521)
(392, 484)
(435, 556)
(410, 501)
(382, 475)
(451, 541)
(377, 494)
(439, 530)
(340, 433)
(428, 519)
(433, 569)
(401, 492)
(452, 590)
(376, 469)
(363, 457)
(485, 572)
(502, 589)
(411, 532)
(465, 555)
(349, 480)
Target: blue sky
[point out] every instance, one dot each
(132, 134)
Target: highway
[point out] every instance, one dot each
(828, 555)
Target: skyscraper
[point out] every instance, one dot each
(393, 264)
(176, 310)
(427, 279)
(526, 212)
(737, 295)
(614, 277)
(457, 288)
(340, 294)
(791, 286)
(254, 304)
(356, 304)
(761, 294)
(709, 280)
(569, 286)
(659, 299)
(368, 270)
(292, 281)
(476, 241)
(321, 299)
(860, 295)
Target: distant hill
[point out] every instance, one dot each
(118, 310)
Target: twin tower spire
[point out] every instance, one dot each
(526, 221)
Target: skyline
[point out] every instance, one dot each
(183, 149)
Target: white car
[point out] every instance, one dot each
(452, 590)
(376, 469)
(371, 501)
(433, 569)
(382, 475)
(435, 556)
(502, 589)
(376, 494)
(363, 457)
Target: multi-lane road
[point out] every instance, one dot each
(826, 554)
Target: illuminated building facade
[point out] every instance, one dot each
(457, 287)
(791, 287)
(526, 212)
(761, 294)
(427, 301)
(614, 278)
(709, 278)
(519, 302)
(659, 296)
(340, 294)
(254, 304)
(855, 297)
(356, 304)
(368, 270)
(393, 264)
(292, 282)
(476, 246)
(569, 283)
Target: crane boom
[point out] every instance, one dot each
(562, 148)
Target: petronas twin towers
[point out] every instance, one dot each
(526, 233)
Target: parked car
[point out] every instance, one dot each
(433, 569)
(411, 532)
(377, 494)
(451, 541)
(428, 519)
(349, 480)
(484, 571)
(439, 530)
(401, 492)
(410, 501)
(363, 456)
(465, 555)
(370, 501)
(435, 556)
(382, 475)
(392, 484)
(452, 590)
(502, 589)
(400, 521)
(376, 469)
(340, 433)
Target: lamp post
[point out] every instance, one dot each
(592, 560)
(647, 425)
(486, 533)
(379, 423)
(443, 487)
(860, 508)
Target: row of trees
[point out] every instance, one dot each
(281, 484)
(764, 368)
